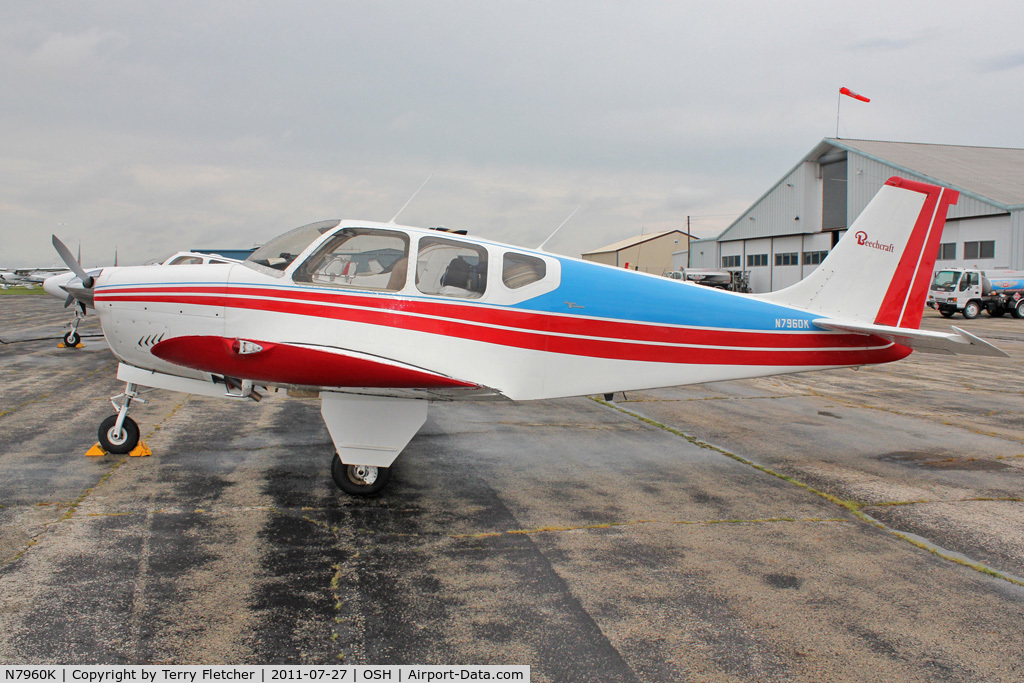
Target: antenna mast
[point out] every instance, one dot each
(392, 221)
(541, 247)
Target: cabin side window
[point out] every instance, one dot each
(362, 258)
(519, 270)
(186, 261)
(451, 268)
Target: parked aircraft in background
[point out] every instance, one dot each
(55, 284)
(381, 319)
(28, 276)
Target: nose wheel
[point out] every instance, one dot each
(118, 440)
(72, 339)
(359, 480)
(119, 433)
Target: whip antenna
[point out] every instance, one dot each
(559, 228)
(392, 221)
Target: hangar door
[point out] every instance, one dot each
(833, 195)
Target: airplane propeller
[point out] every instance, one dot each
(72, 263)
(83, 292)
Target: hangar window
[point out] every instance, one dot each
(947, 250)
(813, 258)
(731, 261)
(519, 270)
(361, 258)
(754, 260)
(790, 258)
(451, 268)
(983, 249)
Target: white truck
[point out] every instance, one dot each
(970, 291)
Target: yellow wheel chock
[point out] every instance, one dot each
(140, 451)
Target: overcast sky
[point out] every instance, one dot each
(163, 126)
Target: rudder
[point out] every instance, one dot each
(880, 271)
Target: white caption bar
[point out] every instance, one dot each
(259, 674)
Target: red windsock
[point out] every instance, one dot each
(850, 93)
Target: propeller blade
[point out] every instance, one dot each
(73, 264)
(70, 300)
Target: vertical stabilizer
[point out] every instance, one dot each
(880, 271)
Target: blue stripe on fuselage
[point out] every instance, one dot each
(599, 291)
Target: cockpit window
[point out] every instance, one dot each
(451, 268)
(186, 261)
(276, 255)
(519, 270)
(361, 258)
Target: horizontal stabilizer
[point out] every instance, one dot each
(958, 342)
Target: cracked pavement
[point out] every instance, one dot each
(566, 535)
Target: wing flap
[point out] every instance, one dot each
(959, 342)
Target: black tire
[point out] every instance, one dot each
(997, 312)
(122, 443)
(71, 339)
(1018, 310)
(347, 479)
(971, 310)
(946, 313)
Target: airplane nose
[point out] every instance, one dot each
(79, 291)
(54, 285)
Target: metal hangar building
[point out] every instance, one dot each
(787, 232)
(650, 253)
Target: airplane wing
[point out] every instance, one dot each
(960, 343)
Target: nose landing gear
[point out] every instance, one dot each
(119, 433)
(73, 340)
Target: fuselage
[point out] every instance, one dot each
(376, 306)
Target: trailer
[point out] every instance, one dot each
(970, 291)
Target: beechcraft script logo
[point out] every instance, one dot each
(862, 240)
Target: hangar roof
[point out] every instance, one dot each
(994, 174)
(632, 242)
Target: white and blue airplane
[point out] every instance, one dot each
(381, 319)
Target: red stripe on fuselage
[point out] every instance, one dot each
(530, 321)
(289, 364)
(536, 331)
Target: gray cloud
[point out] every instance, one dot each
(1001, 63)
(155, 128)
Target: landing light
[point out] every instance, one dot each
(244, 348)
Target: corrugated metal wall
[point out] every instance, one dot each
(799, 194)
(866, 177)
(1017, 240)
(704, 254)
(784, 210)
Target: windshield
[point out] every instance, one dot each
(277, 254)
(945, 280)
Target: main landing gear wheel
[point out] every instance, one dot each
(71, 339)
(121, 442)
(359, 480)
